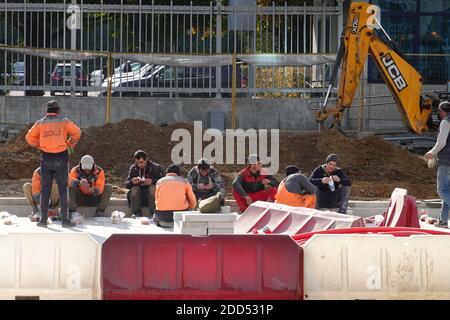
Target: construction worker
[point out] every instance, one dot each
(205, 180)
(441, 153)
(53, 135)
(295, 190)
(141, 181)
(32, 192)
(333, 185)
(173, 193)
(252, 184)
(87, 187)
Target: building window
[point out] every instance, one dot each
(418, 27)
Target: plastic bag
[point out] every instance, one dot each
(431, 163)
(117, 216)
(4, 214)
(77, 218)
(378, 219)
(9, 219)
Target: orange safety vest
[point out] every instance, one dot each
(174, 193)
(36, 182)
(283, 196)
(96, 179)
(53, 134)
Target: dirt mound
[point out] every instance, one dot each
(375, 166)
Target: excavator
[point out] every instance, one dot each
(358, 39)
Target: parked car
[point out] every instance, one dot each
(163, 79)
(18, 73)
(61, 77)
(98, 76)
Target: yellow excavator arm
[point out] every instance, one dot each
(404, 82)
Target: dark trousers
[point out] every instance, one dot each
(139, 197)
(78, 198)
(54, 167)
(164, 218)
(338, 199)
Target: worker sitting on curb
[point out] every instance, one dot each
(87, 187)
(141, 181)
(173, 193)
(252, 184)
(295, 190)
(205, 180)
(32, 192)
(333, 185)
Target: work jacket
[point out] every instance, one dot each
(174, 193)
(53, 134)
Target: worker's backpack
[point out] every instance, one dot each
(211, 204)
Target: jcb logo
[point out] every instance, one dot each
(52, 133)
(355, 23)
(394, 72)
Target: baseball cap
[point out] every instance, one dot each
(87, 162)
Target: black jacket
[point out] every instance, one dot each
(151, 171)
(325, 197)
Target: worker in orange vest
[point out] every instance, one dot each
(87, 187)
(54, 135)
(32, 192)
(295, 190)
(173, 193)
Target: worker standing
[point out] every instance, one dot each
(53, 135)
(441, 152)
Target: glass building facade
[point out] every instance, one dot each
(422, 28)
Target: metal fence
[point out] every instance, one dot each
(166, 29)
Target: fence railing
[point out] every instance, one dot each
(166, 29)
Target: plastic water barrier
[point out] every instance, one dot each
(49, 266)
(402, 211)
(162, 266)
(410, 265)
(290, 220)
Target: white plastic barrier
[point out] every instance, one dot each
(49, 266)
(377, 267)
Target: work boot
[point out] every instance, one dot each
(42, 223)
(99, 213)
(441, 224)
(66, 223)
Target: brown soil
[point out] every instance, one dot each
(376, 167)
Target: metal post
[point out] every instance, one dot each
(73, 46)
(233, 93)
(108, 97)
(6, 40)
(218, 47)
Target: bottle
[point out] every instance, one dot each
(431, 163)
(331, 184)
(266, 230)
